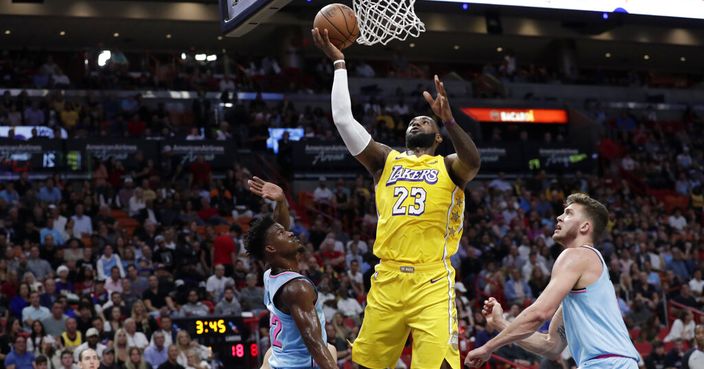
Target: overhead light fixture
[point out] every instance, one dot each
(212, 58)
(499, 49)
(168, 35)
(646, 57)
(62, 33)
(224, 51)
(115, 34)
(456, 47)
(201, 57)
(683, 59)
(607, 55)
(183, 56)
(411, 45)
(7, 31)
(103, 57)
(219, 38)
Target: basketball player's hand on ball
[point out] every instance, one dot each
(494, 314)
(266, 189)
(322, 41)
(440, 104)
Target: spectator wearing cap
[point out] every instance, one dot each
(34, 311)
(108, 360)
(107, 261)
(92, 342)
(55, 323)
(62, 282)
(19, 357)
(216, 283)
(229, 304)
(157, 352)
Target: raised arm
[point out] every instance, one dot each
(300, 296)
(271, 191)
(550, 344)
(464, 165)
(358, 141)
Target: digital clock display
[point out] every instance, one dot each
(210, 326)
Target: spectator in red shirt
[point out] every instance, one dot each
(328, 254)
(201, 173)
(225, 252)
(136, 127)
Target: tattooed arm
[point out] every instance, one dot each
(549, 344)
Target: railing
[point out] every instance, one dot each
(672, 305)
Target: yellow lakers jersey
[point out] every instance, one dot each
(421, 210)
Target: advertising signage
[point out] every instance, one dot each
(512, 115)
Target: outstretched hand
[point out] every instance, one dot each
(493, 313)
(266, 189)
(477, 357)
(322, 41)
(440, 104)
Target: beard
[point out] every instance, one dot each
(420, 140)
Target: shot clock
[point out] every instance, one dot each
(228, 336)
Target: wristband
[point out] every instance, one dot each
(338, 61)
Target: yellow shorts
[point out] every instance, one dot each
(403, 299)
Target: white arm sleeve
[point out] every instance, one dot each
(353, 133)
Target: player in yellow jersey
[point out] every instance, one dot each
(420, 203)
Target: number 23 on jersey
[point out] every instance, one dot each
(416, 208)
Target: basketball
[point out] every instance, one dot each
(341, 23)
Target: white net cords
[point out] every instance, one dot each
(381, 21)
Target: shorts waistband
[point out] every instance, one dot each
(606, 356)
(395, 266)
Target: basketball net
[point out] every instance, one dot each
(381, 21)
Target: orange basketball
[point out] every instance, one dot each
(341, 23)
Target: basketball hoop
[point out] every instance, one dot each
(381, 21)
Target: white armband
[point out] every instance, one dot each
(354, 135)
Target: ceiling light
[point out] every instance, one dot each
(212, 58)
(7, 32)
(411, 45)
(168, 35)
(201, 57)
(103, 58)
(607, 55)
(499, 49)
(219, 38)
(115, 34)
(683, 59)
(456, 47)
(183, 56)
(646, 57)
(62, 33)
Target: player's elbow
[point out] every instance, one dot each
(540, 314)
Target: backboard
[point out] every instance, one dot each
(237, 17)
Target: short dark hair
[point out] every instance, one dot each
(69, 353)
(229, 288)
(595, 211)
(256, 238)
(41, 359)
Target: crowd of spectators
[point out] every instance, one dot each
(74, 275)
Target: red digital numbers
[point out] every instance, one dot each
(238, 350)
(254, 350)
